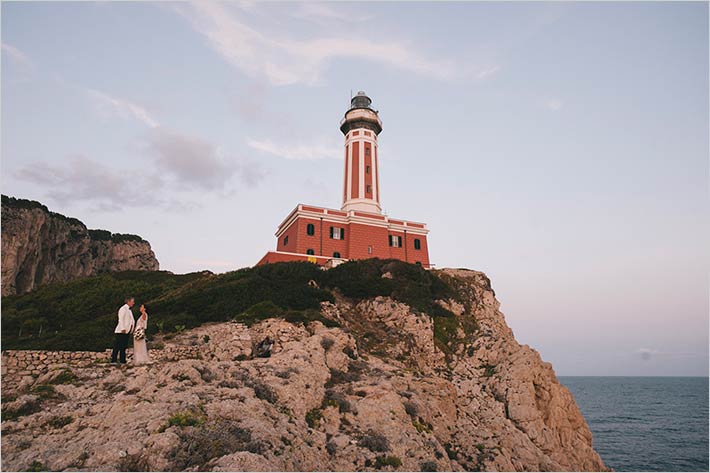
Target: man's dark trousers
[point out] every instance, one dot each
(120, 344)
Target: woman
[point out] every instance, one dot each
(140, 350)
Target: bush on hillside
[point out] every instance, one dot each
(81, 314)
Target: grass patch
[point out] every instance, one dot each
(188, 418)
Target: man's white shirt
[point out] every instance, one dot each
(125, 319)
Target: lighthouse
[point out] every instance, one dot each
(361, 126)
(359, 229)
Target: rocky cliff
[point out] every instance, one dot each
(380, 386)
(41, 247)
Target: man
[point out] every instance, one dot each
(123, 330)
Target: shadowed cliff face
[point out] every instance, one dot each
(41, 247)
(385, 387)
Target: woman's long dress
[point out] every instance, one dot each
(140, 349)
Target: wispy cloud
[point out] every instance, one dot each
(176, 164)
(121, 107)
(554, 104)
(196, 163)
(325, 13)
(487, 72)
(285, 60)
(297, 152)
(17, 55)
(84, 179)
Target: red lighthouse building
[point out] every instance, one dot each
(358, 230)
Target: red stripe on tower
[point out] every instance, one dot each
(354, 172)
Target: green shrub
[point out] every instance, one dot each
(133, 462)
(44, 391)
(410, 283)
(326, 343)
(198, 445)
(100, 235)
(336, 399)
(411, 408)
(60, 421)
(264, 392)
(421, 426)
(37, 466)
(428, 466)
(374, 442)
(65, 377)
(331, 448)
(489, 370)
(388, 460)
(27, 407)
(313, 418)
(206, 339)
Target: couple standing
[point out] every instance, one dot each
(127, 325)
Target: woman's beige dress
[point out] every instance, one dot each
(140, 349)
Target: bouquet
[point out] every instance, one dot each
(139, 334)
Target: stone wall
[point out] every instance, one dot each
(18, 364)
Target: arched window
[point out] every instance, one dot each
(311, 229)
(309, 251)
(336, 254)
(286, 240)
(417, 244)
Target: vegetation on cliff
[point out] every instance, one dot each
(80, 315)
(96, 235)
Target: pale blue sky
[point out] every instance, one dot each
(562, 148)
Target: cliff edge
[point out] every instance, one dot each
(41, 247)
(366, 384)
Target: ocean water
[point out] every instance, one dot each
(645, 423)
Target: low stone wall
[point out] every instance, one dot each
(17, 364)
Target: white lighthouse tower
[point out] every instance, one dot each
(361, 125)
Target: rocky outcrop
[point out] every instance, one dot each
(387, 389)
(41, 247)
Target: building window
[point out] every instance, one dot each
(369, 250)
(367, 151)
(309, 251)
(368, 189)
(367, 169)
(417, 244)
(395, 241)
(286, 240)
(311, 229)
(336, 254)
(337, 233)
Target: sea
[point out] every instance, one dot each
(645, 423)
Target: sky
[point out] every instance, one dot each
(561, 148)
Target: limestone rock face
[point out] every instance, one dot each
(383, 391)
(40, 247)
